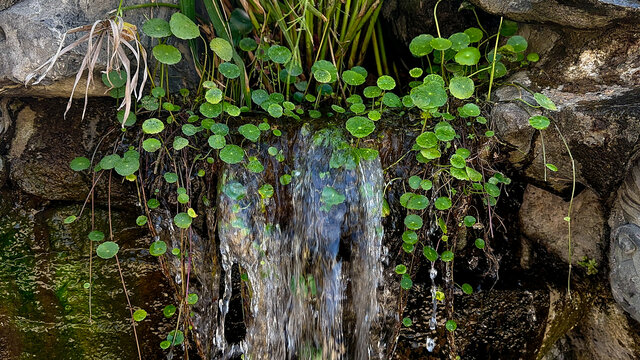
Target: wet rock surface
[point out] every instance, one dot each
(44, 264)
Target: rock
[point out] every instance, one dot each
(592, 77)
(7, 3)
(603, 334)
(521, 313)
(586, 14)
(30, 32)
(42, 146)
(511, 118)
(624, 261)
(45, 266)
(542, 220)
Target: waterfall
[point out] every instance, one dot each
(309, 251)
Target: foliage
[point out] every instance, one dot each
(258, 58)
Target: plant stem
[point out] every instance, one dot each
(573, 191)
(493, 63)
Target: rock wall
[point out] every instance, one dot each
(589, 68)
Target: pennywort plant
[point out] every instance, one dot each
(288, 60)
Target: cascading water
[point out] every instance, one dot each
(310, 251)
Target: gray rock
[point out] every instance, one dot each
(624, 261)
(587, 14)
(7, 3)
(542, 220)
(30, 33)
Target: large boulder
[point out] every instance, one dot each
(586, 14)
(31, 31)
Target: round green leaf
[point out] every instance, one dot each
(96, 235)
(353, 78)
(459, 41)
(539, 122)
(469, 110)
(443, 203)
(70, 219)
(231, 154)
(468, 56)
(275, 110)
(229, 70)
(406, 282)
(440, 44)
(80, 163)
(407, 322)
(430, 253)
(127, 165)
(410, 237)
(414, 182)
(107, 249)
(152, 126)
(182, 27)
(444, 131)
(372, 92)
(182, 220)
(222, 48)
(279, 54)
(479, 243)
(255, 166)
(217, 141)
(192, 299)
(451, 325)
(167, 54)
(400, 269)
(415, 72)
(213, 95)
(474, 34)
(458, 161)
(469, 221)
(139, 315)
(326, 66)
(467, 289)
(518, 43)
(322, 76)
(169, 311)
(426, 185)
(421, 45)
(413, 222)
(533, 57)
(141, 220)
(131, 118)
(417, 202)
(386, 83)
(427, 140)
(151, 145)
(446, 256)
(180, 143)
(158, 248)
(249, 131)
(109, 162)
(544, 101)
(175, 337)
(248, 44)
(360, 126)
(461, 87)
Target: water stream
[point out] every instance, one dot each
(309, 253)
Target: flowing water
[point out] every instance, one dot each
(309, 253)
